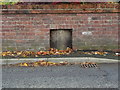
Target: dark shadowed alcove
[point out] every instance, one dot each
(61, 38)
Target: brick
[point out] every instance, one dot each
(9, 34)
(19, 37)
(19, 41)
(33, 30)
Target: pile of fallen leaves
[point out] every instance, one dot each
(43, 63)
(18, 53)
(53, 51)
(27, 53)
(48, 63)
(95, 53)
(102, 53)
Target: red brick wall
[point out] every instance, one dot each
(32, 31)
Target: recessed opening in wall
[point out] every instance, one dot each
(61, 38)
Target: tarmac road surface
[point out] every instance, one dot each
(105, 76)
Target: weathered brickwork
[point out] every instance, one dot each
(32, 31)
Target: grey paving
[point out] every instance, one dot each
(105, 76)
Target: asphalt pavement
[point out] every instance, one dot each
(105, 76)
